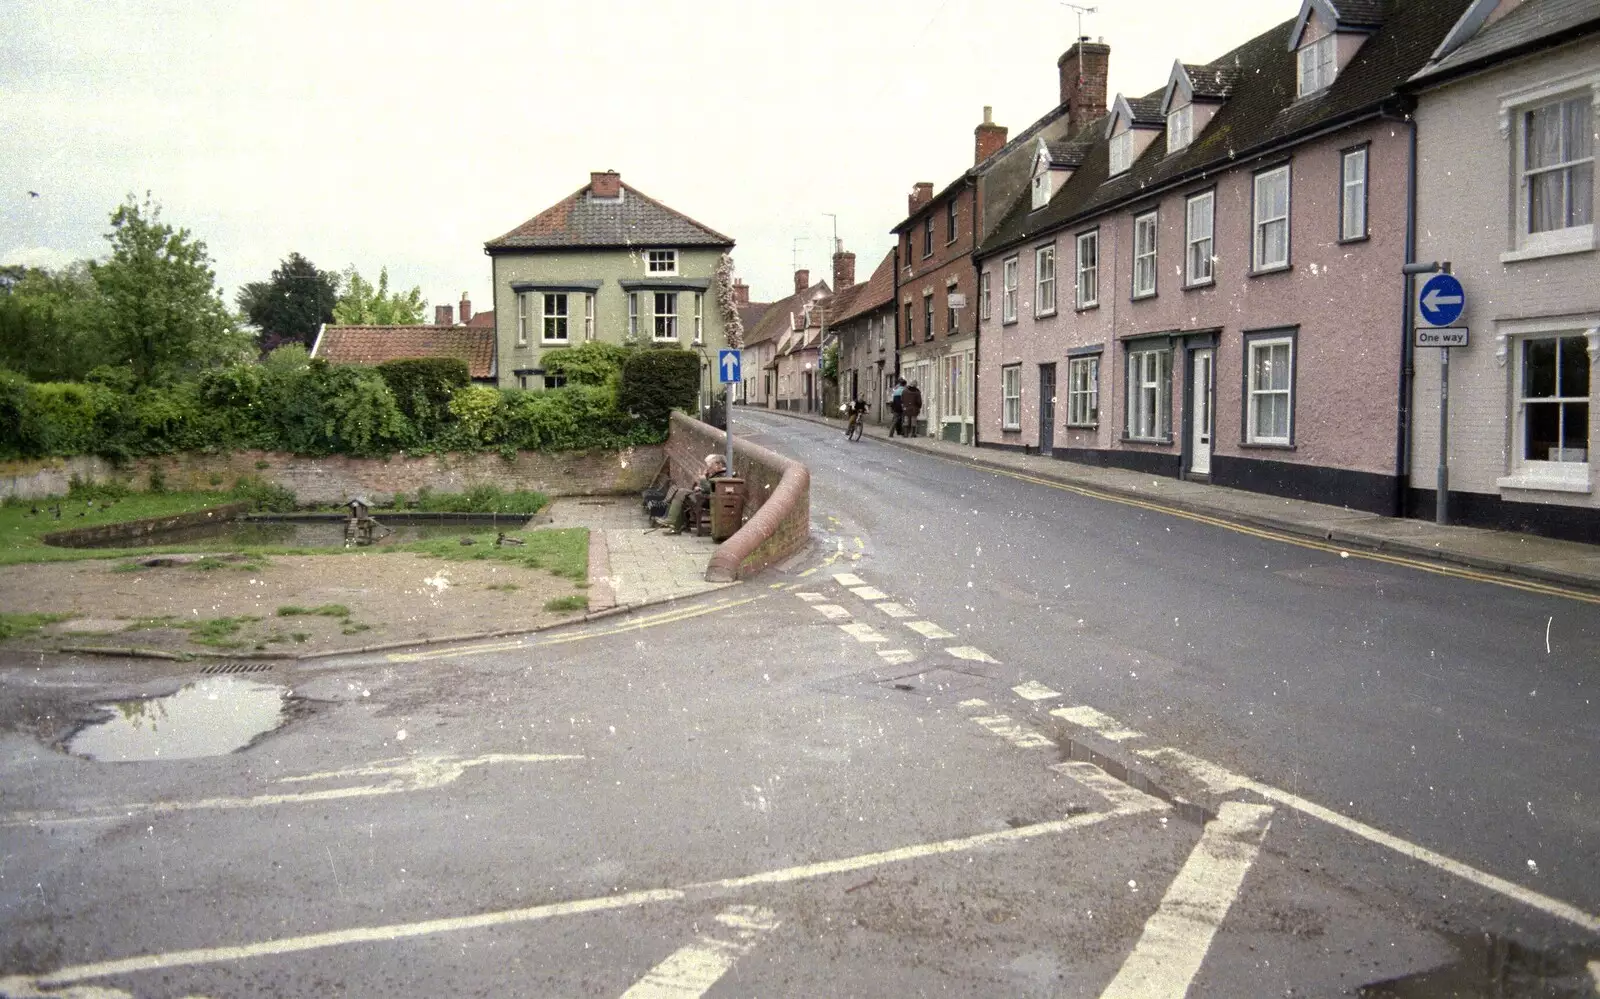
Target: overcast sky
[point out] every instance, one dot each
(407, 134)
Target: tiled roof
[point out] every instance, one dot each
(1262, 113)
(1534, 24)
(775, 320)
(877, 292)
(1359, 13)
(1067, 152)
(751, 314)
(481, 320)
(633, 220)
(1214, 82)
(1147, 109)
(369, 345)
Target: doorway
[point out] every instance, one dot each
(1047, 408)
(1201, 392)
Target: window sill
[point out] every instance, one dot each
(1276, 269)
(1534, 482)
(1346, 240)
(1579, 239)
(1163, 441)
(1008, 322)
(555, 343)
(1143, 296)
(1196, 286)
(1083, 426)
(1087, 308)
(1267, 445)
(1011, 430)
(1044, 315)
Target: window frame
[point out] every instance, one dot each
(1153, 217)
(1532, 473)
(1184, 115)
(1190, 242)
(1092, 236)
(927, 316)
(558, 320)
(927, 236)
(552, 381)
(1010, 275)
(1565, 167)
(524, 305)
(952, 215)
(667, 320)
(588, 317)
(1160, 354)
(1083, 394)
(1345, 184)
(699, 317)
(952, 322)
(1011, 397)
(633, 314)
(1120, 147)
(1258, 223)
(911, 328)
(1041, 189)
(666, 266)
(1254, 341)
(1044, 285)
(1325, 51)
(984, 281)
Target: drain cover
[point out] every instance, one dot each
(219, 668)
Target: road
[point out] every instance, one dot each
(861, 775)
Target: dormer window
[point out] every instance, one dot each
(1041, 189)
(1180, 127)
(1121, 152)
(1318, 65)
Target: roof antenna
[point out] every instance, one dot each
(1080, 11)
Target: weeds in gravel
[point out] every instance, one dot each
(326, 610)
(20, 625)
(572, 602)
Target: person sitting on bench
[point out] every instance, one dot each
(699, 497)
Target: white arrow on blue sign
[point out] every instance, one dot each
(1442, 300)
(728, 365)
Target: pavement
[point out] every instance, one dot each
(631, 563)
(1567, 563)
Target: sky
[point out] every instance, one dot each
(405, 135)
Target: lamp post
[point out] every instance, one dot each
(1441, 499)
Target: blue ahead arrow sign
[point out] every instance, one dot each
(1442, 300)
(728, 365)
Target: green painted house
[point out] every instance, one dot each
(605, 263)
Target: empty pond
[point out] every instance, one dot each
(314, 532)
(209, 717)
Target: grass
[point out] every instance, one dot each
(22, 625)
(22, 531)
(478, 499)
(573, 602)
(326, 610)
(506, 587)
(561, 551)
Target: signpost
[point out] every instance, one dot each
(1440, 302)
(728, 373)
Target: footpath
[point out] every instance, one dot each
(1563, 563)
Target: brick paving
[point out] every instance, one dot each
(642, 564)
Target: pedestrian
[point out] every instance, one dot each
(897, 407)
(911, 406)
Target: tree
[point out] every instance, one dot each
(48, 323)
(363, 305)
(161, 310)
(292, 305)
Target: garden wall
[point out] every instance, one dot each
(334, 479)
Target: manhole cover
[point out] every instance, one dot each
(219, 669)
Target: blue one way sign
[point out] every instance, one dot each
(1441, 300)
(728, 365)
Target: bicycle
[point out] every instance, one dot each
(852, 429)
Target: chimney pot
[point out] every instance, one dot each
(988, 138)
(466, 309)
(802, 281)
(443, 315)
(605, 184)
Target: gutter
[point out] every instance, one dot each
(977, 300)
(894, 307)
(1402, 457)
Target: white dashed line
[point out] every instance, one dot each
(1018, 735)
(832, 612)
(862, 632)
(971, 654)
(973, 703)
(897, 657)
(849, 579)
(1033, 690)
(927, 629)
(1102, 725)
(895, 610)
(811, 598)
(689, 972)
(870, 593)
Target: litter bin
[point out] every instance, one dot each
(727, 507)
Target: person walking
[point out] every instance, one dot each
(897, 407)
(911, 406)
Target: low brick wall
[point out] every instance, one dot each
(777, 512)
(133, 531)
(336, 478)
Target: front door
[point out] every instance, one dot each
(1047, 408)
(1200, 413)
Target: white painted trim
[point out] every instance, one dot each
(1556, 243)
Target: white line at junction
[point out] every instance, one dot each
(690, 971)
(927, 629)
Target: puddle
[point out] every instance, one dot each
(1491, 967)
(210, 717)
(317, 532)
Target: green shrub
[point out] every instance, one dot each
(264, 496)
(422, 388)
(593, 363)
(483, 498)
(14, 412)
(655, 382)
(480, 417)
(571, 418)
(60, 417)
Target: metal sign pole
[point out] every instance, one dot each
(727, 424)
(1441, 504)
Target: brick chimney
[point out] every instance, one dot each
(608, 183)
(802, 281)
(1083, 82)
(444, 315)
(466, 309)
(741, 293)
(921, 194)
(844, 268)
(987, 138)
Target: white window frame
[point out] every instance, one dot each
(588, 317)
(1088, 274)
(699, 317)
(1145, 237)
(1353, 194)
(662, 263)
(1083, 391)
(1317, 64)
(1011, 397)
(1199, 258)
(660, 320)
(1180, 127)
(1256, 393)
(1567, 473)
(524, 304)
(954, 406)
(1041, 183)
(633, 314)
(1044, 280)
(1149, 411)
(1121, 152)
(983, 295)
(553, 319)
(1008, 290)
(1262, 221)
(927, 316)
(1580, 234)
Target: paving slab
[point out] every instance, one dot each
(644, 564)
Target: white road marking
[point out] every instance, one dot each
(1018, 735)
(417, 773)
(1103, 725)
(505, 917)
(1175, 940)
(862, 632)
(1594, 973)
(689, 972)
(897, 657)
(927, 629)
(895, 610)
(810, 597)
(1033, 690)
(971, 654)
(1120, 795)
(832, 612)
(848, 579)
(870, 593)
(1224, 781)
(975, 702)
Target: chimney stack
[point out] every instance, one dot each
(987, 138)
(741, 293)
(844, 269)
(1083, 82)
(605, 184)
(802, 281)
(466, 309)
(921, 194)
(443, 315)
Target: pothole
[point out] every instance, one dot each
(209, 717)
(1491, 967)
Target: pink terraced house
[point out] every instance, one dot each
(1206, 282)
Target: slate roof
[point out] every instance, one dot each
(875, 293)
(1261, 114)
(775, 321)
(636, 219)
(370, 345)
(750, 315)
(1068, 152)
(1147, 109)
(1534, 25)
(1211, 82)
